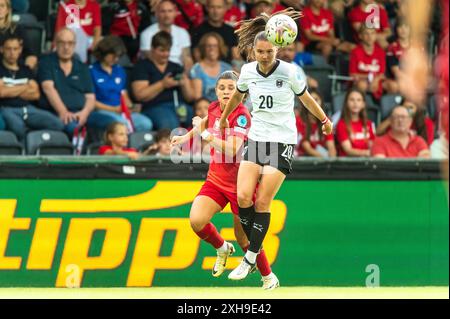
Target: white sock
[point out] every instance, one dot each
(269, 275)
(223, 249)
(251, 256)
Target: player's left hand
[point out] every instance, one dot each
(197, 123)
(327, 128)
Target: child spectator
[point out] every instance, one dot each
(9, 28)
(354, 131)
(372, 15)
(421, 123)
(205, 73)
(400, 142)
(368, 64)
(312, 142)
(110, 86)
(161, 147)
(116, 141)
(87, 26)
(201, 107)
(393, 56)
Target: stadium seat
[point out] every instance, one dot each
(40, 9)
(35, 37)
(92, 149)
(25, 18)
(432, 107)
(321, 74)
(141, 140)
(9, 145)
(46, 142)
(373, 114)
(388, 102)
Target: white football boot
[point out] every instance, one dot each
(221, 260)
(270, 282)
(242, 270)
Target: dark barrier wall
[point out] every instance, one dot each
(96, 223)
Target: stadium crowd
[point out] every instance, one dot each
(152, 66)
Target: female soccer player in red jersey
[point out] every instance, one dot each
(220, 186)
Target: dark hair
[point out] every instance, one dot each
(201, 99)
(223, 49)
(110, 44)
(111, 129)
(228, 75)
(162, 39)
(250, 29)
(162, 134)
(304, 116)
(12, 37)
(347, 116)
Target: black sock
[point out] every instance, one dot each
(247, 216)
(260, 226)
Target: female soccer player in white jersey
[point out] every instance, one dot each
(267, 158)
(220, 185)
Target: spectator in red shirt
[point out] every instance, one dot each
(87, 26)
(400, 142)
(312, 141)
(266, 6)
(190, 14)
(372, 15)
(116, 141)
(421, 124)
(317, 27)
(235, 12)
(161, 147)
(368, 64)
(394, 54)
(128, 18)
(354, 131)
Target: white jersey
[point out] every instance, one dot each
(272, 96)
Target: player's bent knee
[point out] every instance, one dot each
(244, 200)
(262, 205)
(197, 224)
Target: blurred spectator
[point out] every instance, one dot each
(235, 12)
(312, 142)
(67, 84)
(393, 56)
(18, 89)
(161, 147)
(368, 63)
(8, 28)
(354, 131)
(116, 141)
(190, 14)
(317, 28)
(400, 141)
(20, 6)
(204, 74)
(127, 19)
(162, 85)
(201, 107)
(110, 85)
(84, 18)
(266, 6)
(340, 7)
(288, 54)
(215, 23)
(421, 124)
(373, 16)
(180, 51)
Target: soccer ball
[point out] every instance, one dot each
(281, 30)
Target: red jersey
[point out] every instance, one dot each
(234, 15)
(429, 126)
(357, 138)
(223, 169)
(388, 146)
(320, 24)
(314, 137)
(90, 15)
(193, 10)
(395, 50)
(104, 148)
(127, 20)
(375, 14)
(442, 71)
(365, 63)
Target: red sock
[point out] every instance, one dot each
(210, 235)
(262, 262)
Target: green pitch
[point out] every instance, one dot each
(228, 293)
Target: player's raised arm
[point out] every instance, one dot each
(234, 101)
(312, 106)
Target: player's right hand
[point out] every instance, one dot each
(177, 140)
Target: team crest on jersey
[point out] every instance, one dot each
(242, 121)
(279, 83)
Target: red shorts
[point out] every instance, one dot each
(220, 196)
